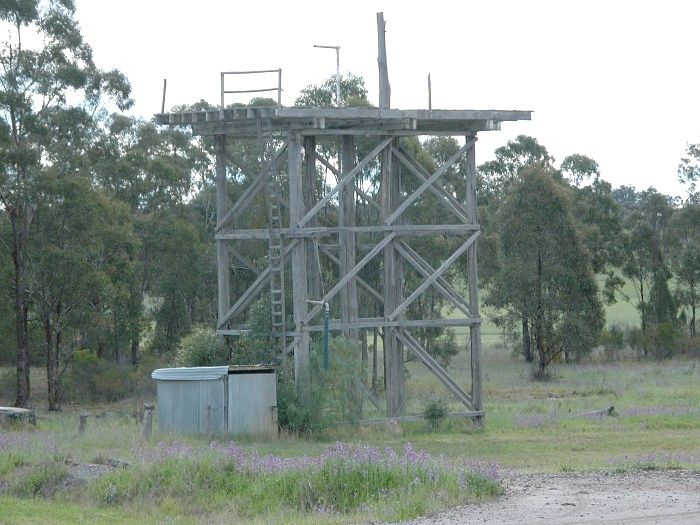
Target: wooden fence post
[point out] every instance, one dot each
(147, 420)
(82, 422)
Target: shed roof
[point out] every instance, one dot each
(205, 373)
(198, 373)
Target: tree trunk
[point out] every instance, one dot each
(100, 345)
(539, 322)
(527, 348)
(541, 353)
(51, 361)
(135, 346)
(20, 227)
(692, 321)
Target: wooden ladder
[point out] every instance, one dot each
(276, 260)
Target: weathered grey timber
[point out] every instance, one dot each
(318, 226)
(13, 415)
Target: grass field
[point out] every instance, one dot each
(529, 426)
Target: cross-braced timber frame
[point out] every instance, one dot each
(299, 232)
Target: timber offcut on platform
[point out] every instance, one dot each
(247, 121)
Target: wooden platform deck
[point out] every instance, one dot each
(248, 121)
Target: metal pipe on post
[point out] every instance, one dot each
(279, 87)
(337, 70)
(326, 329)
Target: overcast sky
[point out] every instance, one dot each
(617, 81)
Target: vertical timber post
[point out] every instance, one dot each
(302, 370)
(384, 87)
(349, 308)
(475, 329)
(390, 195)
(222, 255)
(309, 184)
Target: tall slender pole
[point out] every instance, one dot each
(430, 94)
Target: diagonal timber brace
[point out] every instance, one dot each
(434, 277)
(429, 182)
(349, 176)
(252, 291)
(251, 191)
(350, 275)
(415, 347)
(439, 191)
(422, 267)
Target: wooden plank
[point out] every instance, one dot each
(382, 322)
(474, 331)
(326, 231)
(346, 178)
(290, 114)
(222, 255)
(310, 176)
(430, 280)
(419, 417)
(435, 176)
(393, 352)
(348, 299)
(398, 114)
(302, 364)
(437, 190)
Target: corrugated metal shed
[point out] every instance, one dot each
(218, 400)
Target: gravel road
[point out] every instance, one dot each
(639, 498)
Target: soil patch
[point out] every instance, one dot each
(638, 498)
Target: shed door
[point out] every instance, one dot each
(252, 403)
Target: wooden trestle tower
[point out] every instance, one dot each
(294, 230)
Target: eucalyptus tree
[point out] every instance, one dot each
(156, 172)
(645, 257)
(496, 180)
(47, 71)
(685, 260)
(543, 272)
(81, 252)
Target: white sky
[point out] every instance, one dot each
(617, 81)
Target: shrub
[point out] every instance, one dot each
(613, 341)
(94, 379)
(42, 479)
(331, 397)
(435, 413)
(201, 347)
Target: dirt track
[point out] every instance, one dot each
(639, 498)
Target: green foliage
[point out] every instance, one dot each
(435, 413)
(40, 480)
(613, 341)
(201, 347)
(333, 396)
(89, 378)
(340, 487)
(544, 274)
